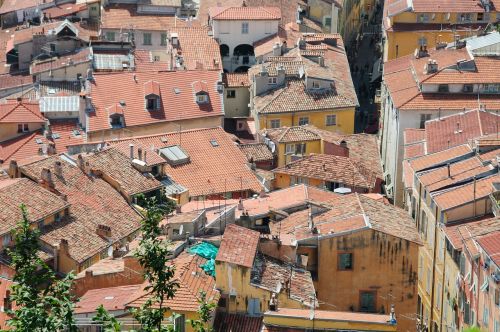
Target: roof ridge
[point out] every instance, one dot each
(480, 122)
(163, 134)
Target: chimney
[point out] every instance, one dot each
(46, 178)
(431, 66)
(58, 171)
(273, 302)
(131, 151)
(277, 49)
(81, 163)
(240, 205)
(63, 246)
(321, 61)
(103, 231)
(343, 144)
(139, 153)
(144, 156)
(13, 169)
(51, 149)
(310, 220)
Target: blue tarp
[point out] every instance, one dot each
(207, 251)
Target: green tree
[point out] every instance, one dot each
(205, 313)
(109, 322)
(42, 302)
(152, 254)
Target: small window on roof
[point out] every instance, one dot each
(201, 98)
(56, 136)
(214, 143)
(174, 155)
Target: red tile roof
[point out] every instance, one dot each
(13, 5)
(238, 246)
(331, 315)
(447, 6)
(8, 81)
(20, 112)
(40, 203)
(477, 226)
(456, 129)
(256, 152)
(152, 157)
(211, 169)
(192, 280)
(245, 13)
(227, 322)
(67, 60)
(108, 89)
(125, 16)
(236, 80)
(151, 88)
(465, 194)
(413, 135)
(331, 168)
(112, 299)
(491, 245)
(441, 157)
(93, 202)
(65, 10)
(144, 61)
(414, 150)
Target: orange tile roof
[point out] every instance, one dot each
(21, 112)
(414, 150)
(331, 168)
(413, 135)
(192, 280)
(236, 80)
(111, 298)
(211, 170)
(476, 226)
(291, 134)
(294, 97)
(13, 5)
(228, 322)
(447, 6)
(466, 169)
(456, 129)
(486, 71)
(40, 203)
(65, 10)
(238, 246)
(110, 88)
(451, 102)
(25, 35)
(118, 166)
(465, 194)
(491, 245)
(349, 213)
(256, 152)
(331, 315)
(67, 60)
(144, 61)
(152, 157)
(8, 81)
(93, 202)
(244, 13)
(126, 17)
(440, 158)
(198, 49)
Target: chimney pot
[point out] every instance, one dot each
(139, 153)
(58, 168)
(131, 151)
(46, 177)
(13, 169)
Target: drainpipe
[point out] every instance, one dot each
(433, 290)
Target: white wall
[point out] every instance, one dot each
(229, 32)
(139, 38)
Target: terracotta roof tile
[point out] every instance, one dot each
(451, 102)
(440, 158)
(456, 129)
(211, 169)
(491, 245)
(13, 5)
(291, 134)
(105, 92)
(67, 60)
(112, 298)
(332, 316)
(464, 194)
(25, 35)
(271, 274)
(144, 61)
(238, 246)
(64, 10)
(8, 81)
(20, 112)
(93, 202)
(125, 16)
(118, 166)
(235, 80)
(413, 135)
(331, 168)
(414, 150)
(445, 6)
(191, 278)
(256, 152)
(245, 13)
(152, 157)
(40, 203)
(230, 322)
(294, 97)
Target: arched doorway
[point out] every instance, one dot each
(224, 50)
(243, 50)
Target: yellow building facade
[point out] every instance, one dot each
(410, 30)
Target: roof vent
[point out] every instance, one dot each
(214, 143)
(123, 103)
(174, 155)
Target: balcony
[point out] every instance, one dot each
(495, 199)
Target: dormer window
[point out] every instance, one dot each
(152, 95)
(201, 92)
(272, 80)
(116, 118)
(315, 85)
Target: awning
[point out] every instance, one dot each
(10, 45)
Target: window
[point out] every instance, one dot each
(465, 17)
(344, 261)
(468, 88)
(156, 58)
(7, 303)
(41, 224)
(200, 99)
(272, 80)
(116, 121)
(315, 85)
(93, 8)
(22, 128)
(289, 148)
(146, 38)
(367, 301)
(328, 21)
(422, 18)
(275, 123)
(423, 225)
(300, 149)
(491, 88)
(438, 298)
(163, 41)
(483, 16)
(57, 217)
(303, 121)
(253, 307)
(443, 88)
(423, 119)
(152, 103)
(231, 94)
(497, 296)
(110, 35)
(486, 316)
(331, 120)
(244, 28)
(6, 239)
(420, 266)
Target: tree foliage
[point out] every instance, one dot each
(109, 322)
(205, 315)
(42, 302)
(152, 254)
